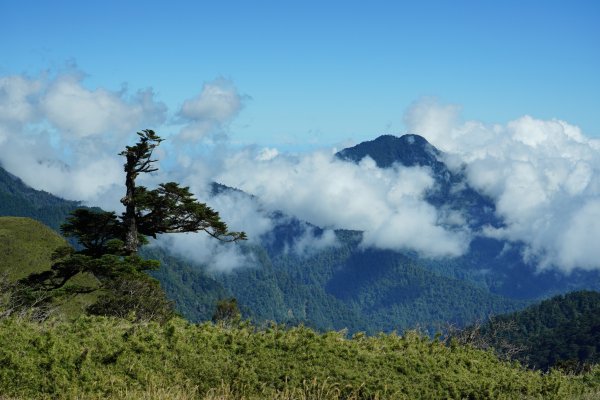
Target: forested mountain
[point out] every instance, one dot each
(563, 331)
(348, 285)
(451, 189)
(496, 264)
(18, 199)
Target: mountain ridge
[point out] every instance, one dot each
(18, 199)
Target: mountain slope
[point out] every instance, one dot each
(492, 263)
(193, 290)
(18, 199)
(109, 358)
(26, 246)
(396, 292)
(562, 330)
(451, 189)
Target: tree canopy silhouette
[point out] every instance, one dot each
(170, 208)
(109, 243)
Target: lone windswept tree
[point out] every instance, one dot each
(167, 209)
(110, 243)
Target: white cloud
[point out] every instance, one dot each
(310, 242)
(431, 119)
(578, 246)
(200, 248)
(211, 111)
(387, 204)
(242, 213)
(61, 137)
(267, 154)
(17, 99)
(543, 175)
(80, 112)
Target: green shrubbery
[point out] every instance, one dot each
(103, 357)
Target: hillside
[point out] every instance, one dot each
(562, 331)
(18, 199)
(26, 246)
(495, 264)
(99, 357)
(293, 289)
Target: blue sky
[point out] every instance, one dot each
(320, 73)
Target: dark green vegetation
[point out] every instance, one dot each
(362, 290)
(168, 209)
(562, 332)
(101, 357)
(17, 199)
(374, 290)
(131, 355)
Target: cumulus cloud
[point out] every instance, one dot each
(80, 112)
(210, 112)
(387, 204)
(17, 97)
(59, 136)
(544, 176)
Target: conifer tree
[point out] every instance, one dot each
(110, 243)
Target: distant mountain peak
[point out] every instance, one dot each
(409, 150)
(451, 189)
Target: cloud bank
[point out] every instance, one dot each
(543, 175)
(387, 204)
(63, 138)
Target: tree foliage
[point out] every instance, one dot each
(563, 331)
(227, 311)
(109, 243)
(110, 358)
(167, 209)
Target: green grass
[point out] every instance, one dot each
(99, 357)
(26, 246)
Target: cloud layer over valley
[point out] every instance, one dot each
(60, 136)
(543, 175)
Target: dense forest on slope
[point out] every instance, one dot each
(342, 287)
(562, 331)
(101, 357)
(18, 199)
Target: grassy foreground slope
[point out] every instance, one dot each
(99, 357)
(26, 246)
